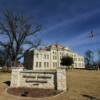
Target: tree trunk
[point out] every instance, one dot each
(67, 79)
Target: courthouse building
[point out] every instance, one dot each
(49, 58)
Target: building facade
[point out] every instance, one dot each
(49, 58)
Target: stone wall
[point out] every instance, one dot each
(15, 76)
(61, 79)
(39, 79)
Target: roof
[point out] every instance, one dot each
(55, 46)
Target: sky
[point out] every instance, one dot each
(67, 22)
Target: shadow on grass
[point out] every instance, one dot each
(90, 97)
(7, 83)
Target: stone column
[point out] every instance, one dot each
(61, 79)
(15, 76)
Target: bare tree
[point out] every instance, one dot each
(89, 56)
(17, 30)
(98, 62)
(2, 61)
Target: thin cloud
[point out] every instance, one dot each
(84, 39)
(68, 22)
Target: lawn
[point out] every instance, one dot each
(83, 85)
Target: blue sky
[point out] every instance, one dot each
(67, 22)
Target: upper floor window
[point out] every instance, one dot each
(46, 56)
(37, 55)
(54, 57)
(36, 64)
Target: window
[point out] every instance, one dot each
(39, 64)
(47, 56)
(75, 59)
(37, 55)
(54, 64)
(54, 57)
(54, 52)
(36, 64)
(44, 64)
(78, 59)
(40, 55)
(61, 53)
(44, 56)
(74, 56)
(47, 64)
(82, 59)
(75, 65)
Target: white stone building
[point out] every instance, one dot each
(49, 58)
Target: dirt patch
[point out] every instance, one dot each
(30, 92)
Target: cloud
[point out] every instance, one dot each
(77, 18)
(84, 39)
